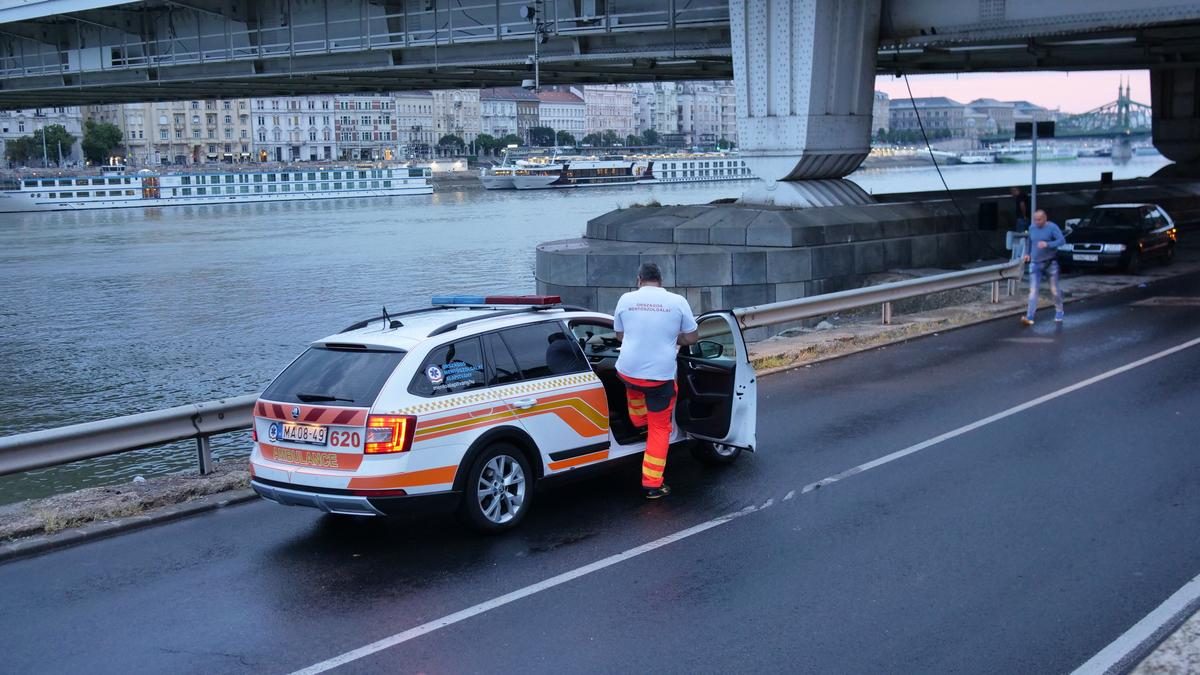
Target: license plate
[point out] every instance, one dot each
(304, 433)
(1086, 257)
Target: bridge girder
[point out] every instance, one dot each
(60, 51)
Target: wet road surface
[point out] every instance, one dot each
(1024, 545)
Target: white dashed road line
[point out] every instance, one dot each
(571, 575)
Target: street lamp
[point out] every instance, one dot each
(533, 14)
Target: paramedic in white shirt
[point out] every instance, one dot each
(652, 324)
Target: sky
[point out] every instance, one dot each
(1071, 92)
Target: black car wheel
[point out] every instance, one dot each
(499, 489)
(716, 454)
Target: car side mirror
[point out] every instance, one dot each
(707, 349)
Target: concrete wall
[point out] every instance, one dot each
(722, 256)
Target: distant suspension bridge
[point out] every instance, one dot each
(1122, 117)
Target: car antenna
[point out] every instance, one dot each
(388, 321)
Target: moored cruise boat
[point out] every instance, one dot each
(500, 176)
(586, 171)
(118, 190)
(497, 177)
(1045, 153)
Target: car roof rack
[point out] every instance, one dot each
(440, 330)
(408, 312)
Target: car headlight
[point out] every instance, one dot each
(1114, 248)
(1067, 247)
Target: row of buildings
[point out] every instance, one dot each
(390, 126)
(411, 123)
(943, 117)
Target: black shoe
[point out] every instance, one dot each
(658, 492)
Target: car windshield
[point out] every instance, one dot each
(1114, 218)
(349, 377)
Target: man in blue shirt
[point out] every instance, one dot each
(1044, 240)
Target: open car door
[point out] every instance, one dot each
(717, 391)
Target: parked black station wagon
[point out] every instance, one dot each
(1120, 236)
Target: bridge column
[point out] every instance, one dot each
(804, 72)
(1175, 100)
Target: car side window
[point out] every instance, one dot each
(543, 350)
(716, 341)
(504, 367)
(597, 340)
(450, 369)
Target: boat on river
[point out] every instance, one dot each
(1045, 153)
(115, 188)
(582, 171)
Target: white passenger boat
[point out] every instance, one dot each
(1024, 153)
(500, 176)
(977, 157)
(592, 171)
(115, 189)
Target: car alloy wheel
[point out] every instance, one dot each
(500, 489)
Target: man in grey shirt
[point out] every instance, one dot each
(1044, 240)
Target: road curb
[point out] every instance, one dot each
(30, 546)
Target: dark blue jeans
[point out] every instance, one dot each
(1036, 270)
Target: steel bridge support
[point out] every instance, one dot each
(804, 72)
(1175, 99)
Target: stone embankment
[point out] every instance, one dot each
(735, 255)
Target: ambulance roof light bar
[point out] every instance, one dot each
(545, 301)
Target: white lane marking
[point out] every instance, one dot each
(603, 563)
(997, 417)
(789, 495)
(520, 593)
(1111, 658)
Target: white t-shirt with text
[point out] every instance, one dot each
(651, 319)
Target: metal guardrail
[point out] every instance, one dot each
(885, 294)
(200, 421)
(62, 445)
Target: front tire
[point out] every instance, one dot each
(715, 454)
(498, 490)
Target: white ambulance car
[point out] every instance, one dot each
(470, 402)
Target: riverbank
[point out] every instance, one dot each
(33, 525)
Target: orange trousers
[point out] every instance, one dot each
(652, 403)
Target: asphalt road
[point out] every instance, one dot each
(1023, 545)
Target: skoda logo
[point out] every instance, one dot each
(295, 412)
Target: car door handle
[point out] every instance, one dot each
(524, 403)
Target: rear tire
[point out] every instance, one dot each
(498, 489)
(715, 454)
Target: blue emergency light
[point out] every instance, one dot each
(487, 300)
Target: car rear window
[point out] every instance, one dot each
(341, 377)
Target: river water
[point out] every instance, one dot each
(111, 312)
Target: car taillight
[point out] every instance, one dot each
(389, 433)
(254, 431)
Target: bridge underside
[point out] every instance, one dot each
(74, 52)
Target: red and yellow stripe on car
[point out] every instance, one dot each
(585, 412)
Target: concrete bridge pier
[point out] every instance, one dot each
(1175, 99)
(804, 72)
